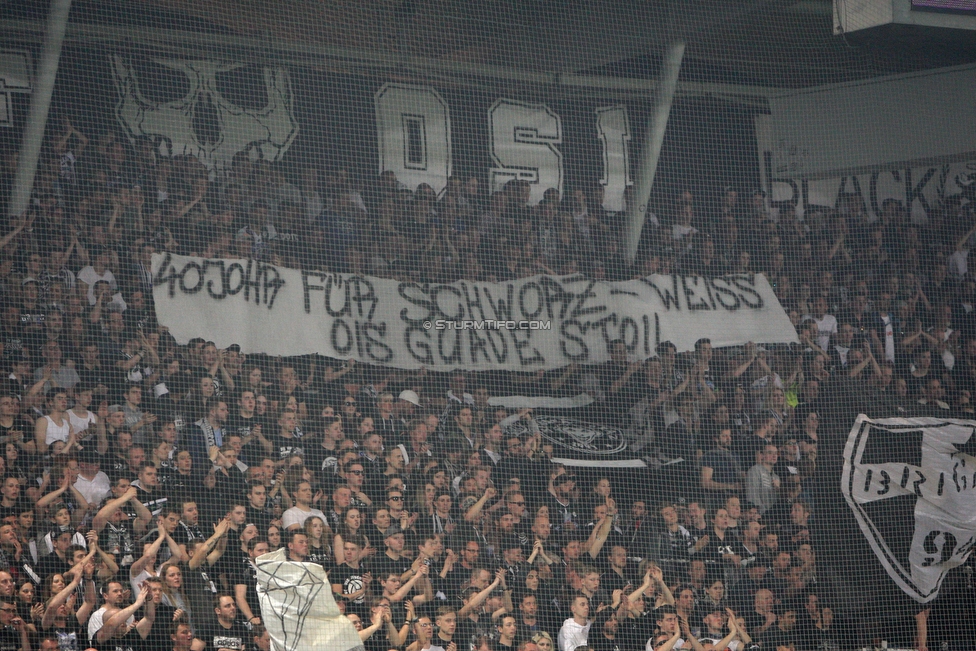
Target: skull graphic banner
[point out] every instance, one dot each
(200, 120)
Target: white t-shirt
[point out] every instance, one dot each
(56, 432)
(889, 338)
(89, 276)
(47, 545)
(677, 645)
(135, 582)
(80, 424)
(958, 263)
(842, 352)
(679, 232)
(734, 645)
(572, 635)
(295, 515)
(96, 490)
(827, 328)
(95, 622)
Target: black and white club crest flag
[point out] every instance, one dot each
(911, 484)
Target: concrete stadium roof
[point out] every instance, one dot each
(762, 45)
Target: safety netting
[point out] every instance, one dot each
(615, 326)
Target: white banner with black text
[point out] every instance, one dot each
(541, 322)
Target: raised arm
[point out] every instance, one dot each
(40, 433)
(109, 628)
(405, 589)
(88, 600)
(143, 517)
(398, 637)
(602, 531)
(211, 547)
(177, 550)
(474, 511)
(368, 631)
(750, 357)
(734, 630)
(51, 608)
(144, 625)
(55, 495)
(685, 627)
(18, 228)
(480, 598)
(110, 567)
(107, 511)
(565, 374)
(669, 645)
(137, 567)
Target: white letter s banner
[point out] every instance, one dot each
(523, 146)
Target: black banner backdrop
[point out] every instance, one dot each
(709, 143)
(856, 579)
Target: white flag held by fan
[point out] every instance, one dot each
(298, 609)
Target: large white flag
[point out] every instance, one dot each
(298, 609)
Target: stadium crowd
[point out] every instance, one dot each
(141, 478)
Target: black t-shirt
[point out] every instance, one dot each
(117, 540)
(182, 488)
(601, 596)
(185, 533)
(559, 514)
(717, 548)
(617, 404)
(725, 465)
(748, 557)
(131, 641)
(200, 587)
(93, 377)
(9, 639)
(14, 511)
(282, 447)
(68, 636)
(351, 580)
(259, 517)
(52, 564)
(611, 581)
(241, 426)
(322, 461)
(598, 642)
(636, 632)
(247, 576)
(468, 630)
(321, 555)
(113, 465)
(159, 635)
(231, 564)
(380, 641)
(217, 637)
(21, 425)
(381, 564)
(238, 425)
(154, 501)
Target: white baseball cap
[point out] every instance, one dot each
(410, 396)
